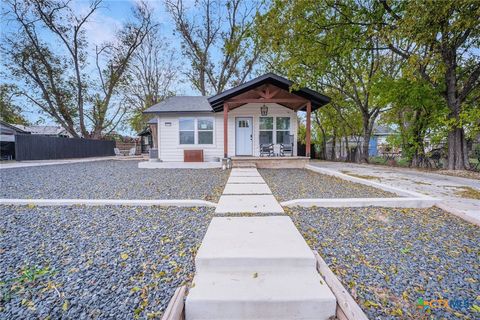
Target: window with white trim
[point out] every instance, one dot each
(205, 130)
(196, 131)
(187, 130)
(266, 130)
(283, 129)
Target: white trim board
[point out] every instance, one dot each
(423, 202)
(107, 202)
(378, 185)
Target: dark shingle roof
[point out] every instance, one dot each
(181, 104)
(316, 98)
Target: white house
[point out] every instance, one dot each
(254, 121)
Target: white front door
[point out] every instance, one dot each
(243, 136)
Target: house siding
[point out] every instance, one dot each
(170, 148)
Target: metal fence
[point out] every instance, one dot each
(35, 147)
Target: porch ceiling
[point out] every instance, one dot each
(266, 93)
(269, 88)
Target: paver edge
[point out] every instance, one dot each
(106, 202)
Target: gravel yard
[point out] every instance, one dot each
(95, 262)
(390, 258)
(111, 180)
(289, 184)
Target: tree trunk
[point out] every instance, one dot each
(457, 150)
(347, 149)
(334, 144)
(367, 132)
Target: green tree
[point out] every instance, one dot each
(440, 41)
(329, 49)
(9, 111)
(415, 108)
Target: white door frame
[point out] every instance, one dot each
(251, 136)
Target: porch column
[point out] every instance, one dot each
(308, 125)
(225, 130)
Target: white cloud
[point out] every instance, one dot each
(100, 27)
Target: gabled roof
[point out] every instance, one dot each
(181, 104)
(13, 127)
(316, 98)
(44, 130)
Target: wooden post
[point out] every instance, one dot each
(225, 130)
(307, 135)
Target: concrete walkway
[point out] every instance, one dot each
(431, 184)
(246, 191)
(255, 267)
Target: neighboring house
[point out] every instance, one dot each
(233, 123)
(378, 142)
(146, 138)
(377, 146)
(50, 131)
(7, 140)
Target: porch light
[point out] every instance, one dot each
(264, 110)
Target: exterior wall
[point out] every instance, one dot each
(170, 148)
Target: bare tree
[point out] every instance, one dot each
(150, 78)
(220, 49)
(54, 71)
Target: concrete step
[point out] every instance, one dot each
(249, 179)
(246, 188)
(260, 295)
(253, 244)
(257, 268)
(248, 203)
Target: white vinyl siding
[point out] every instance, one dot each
(170, 148)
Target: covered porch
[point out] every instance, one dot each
(264, 115)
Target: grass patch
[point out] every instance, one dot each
(367, 177)
(468, 192)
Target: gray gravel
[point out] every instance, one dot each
(290, 184)
(389, 258)
(95, 262)
(111, 180)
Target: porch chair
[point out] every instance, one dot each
(287, 146)
(266, 148)
(117, 152)
(132, 151)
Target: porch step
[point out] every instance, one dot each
(257, 268)
(238, 244)
(243, 164)
(260, 295)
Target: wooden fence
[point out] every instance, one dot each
(36, 147)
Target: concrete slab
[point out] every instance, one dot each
(248, 203)
(247, 188)
(233, 179)
(424, 202)
(244, 173)
(253, 244)
(419, 181)
(260, 295)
